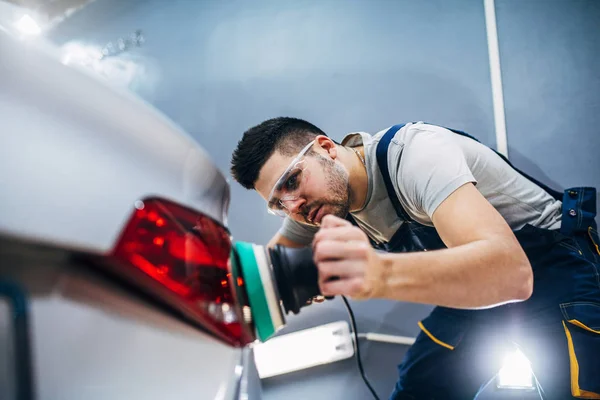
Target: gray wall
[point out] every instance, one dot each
(219, 67)
(550, 54)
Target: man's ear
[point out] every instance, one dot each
(327, 146)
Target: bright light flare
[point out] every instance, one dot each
(28, 26)
(516, 372)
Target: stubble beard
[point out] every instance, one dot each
(338, 202)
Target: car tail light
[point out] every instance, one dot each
(183, 257)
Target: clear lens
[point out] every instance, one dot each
(287, 190)
(287, 187)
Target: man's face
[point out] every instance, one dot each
(322, 186)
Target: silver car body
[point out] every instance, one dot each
(76, 156)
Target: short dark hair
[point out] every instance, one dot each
(284, 134)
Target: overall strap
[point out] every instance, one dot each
(373, 243)
(409, 237)
(382, 161)
(578, 203)
(554, 193)
(381, 152)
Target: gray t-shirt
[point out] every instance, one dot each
(427, 163)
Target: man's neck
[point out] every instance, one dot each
(357, 177)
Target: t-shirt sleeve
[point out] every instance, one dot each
(297, 232)
(431, 167)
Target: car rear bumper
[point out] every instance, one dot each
(90, 336)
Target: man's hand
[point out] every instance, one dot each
(347, 263)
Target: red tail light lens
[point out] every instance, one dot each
(183, 257)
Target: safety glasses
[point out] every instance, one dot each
(287, 187)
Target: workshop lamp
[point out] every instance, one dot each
(307, 348)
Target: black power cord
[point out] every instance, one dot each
(357, 349)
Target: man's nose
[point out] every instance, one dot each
(295, 206)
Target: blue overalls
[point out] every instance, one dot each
(558, 328)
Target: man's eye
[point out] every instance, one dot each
(275, 205)
(291, 183)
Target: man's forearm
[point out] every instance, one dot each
(480, 274)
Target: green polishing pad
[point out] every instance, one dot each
(262, 296)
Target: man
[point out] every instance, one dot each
(511, 263)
